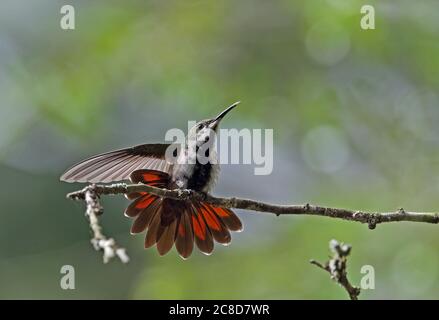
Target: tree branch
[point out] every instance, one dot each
(369, 218)
(91, 194)
(337, 266)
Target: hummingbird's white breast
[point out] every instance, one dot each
(189, 173)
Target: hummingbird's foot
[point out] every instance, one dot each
(185, 193)
(189, 193)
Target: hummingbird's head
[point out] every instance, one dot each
(203, 130)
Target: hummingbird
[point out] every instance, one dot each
(168, 221)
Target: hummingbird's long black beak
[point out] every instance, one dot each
(219, 117)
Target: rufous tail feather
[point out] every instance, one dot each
(183, 222)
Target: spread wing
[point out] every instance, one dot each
(119, 164)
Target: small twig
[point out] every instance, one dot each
(99, 241)
(337, 266)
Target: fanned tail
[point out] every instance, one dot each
(182, 222)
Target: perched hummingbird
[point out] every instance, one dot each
(168, 221)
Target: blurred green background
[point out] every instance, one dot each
(354, 114)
